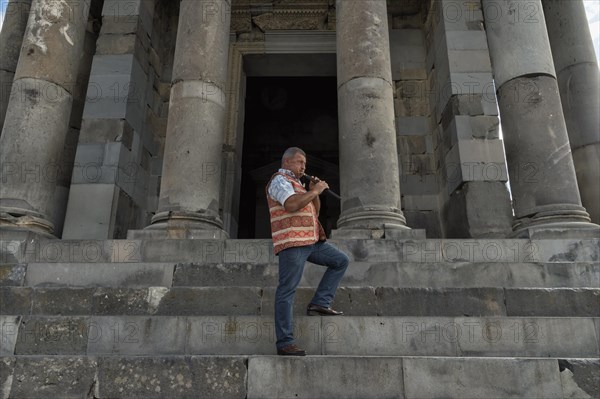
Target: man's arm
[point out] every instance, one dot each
(299, 201)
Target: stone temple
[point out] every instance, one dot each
(137, 138)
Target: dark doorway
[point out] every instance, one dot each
(283, 112)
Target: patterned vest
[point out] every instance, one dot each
(293, 229)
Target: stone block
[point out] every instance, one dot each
(407, 51)
(454, 15)
(15, 300)
(12, 275)
(116, 44)
(119, 25)
(173, 377)
(252, 335)
(478, 209)
(441, 302)
(85, 222)
(469, 84)
(330, 377)
(467, 41)
(388, 336)
(62, 301)
(473, 105)
(580, 377)
(512, 378)
(122, 301)
(52, 336)
(465, 61)
(413, 126)
(419, 184)
(54, 377)
(525, 337)
(137, 335)
(100, 274)
(220, 274)
(475, 160)
(7, 366)
(582, 302)
(201, 300)
(420, 202)
(9, 330)
(106, 130)
(463, 127)
(428, 221)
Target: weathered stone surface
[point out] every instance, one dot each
(52, 336)
(15, 300)
(115, 301)
(583, 302)
(208, 301)
(537, 106)
(54, 377)
(580, 377)
(472, 378)
(7, 365)
(135, 274)
(362, 32)
(12, 275)
(137, 335)
(407, 51)
(9, 329)
(173, 377)
(220, 274)
(330, 377)
(60, 301)
(441, 302)
(388, 336)
(524, 337)
(479, 209)
(251, 335)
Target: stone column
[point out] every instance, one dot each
(11, 39)
(578, 81)
(189, 194)
(37, 118)
(369, 174)
(542, 175)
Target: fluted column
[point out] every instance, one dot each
(542, 175)
(369, 175)
(11, 39)
(579, 84)
(37, 118)
(189, 194)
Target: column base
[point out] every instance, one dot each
(558, 230)
(181, 225)
(372, 218)
(391, 232)
(556, 221)
(16, 219)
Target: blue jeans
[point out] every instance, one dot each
(291, 267)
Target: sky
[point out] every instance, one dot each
(592, 8)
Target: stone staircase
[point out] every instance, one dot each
(193, 319)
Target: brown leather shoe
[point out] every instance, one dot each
(320, 310)
(291, 350)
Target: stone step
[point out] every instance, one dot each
(350, 335)
(260, 251)
(358, 301)
(310, 377)
(394, 274)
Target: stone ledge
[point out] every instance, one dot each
(348, 335)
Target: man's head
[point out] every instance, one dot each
(294, 160)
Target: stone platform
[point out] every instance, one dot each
(508, 318)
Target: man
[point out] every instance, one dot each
(297, 237)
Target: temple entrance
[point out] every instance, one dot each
(282, 112)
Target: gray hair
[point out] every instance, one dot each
(291, 152)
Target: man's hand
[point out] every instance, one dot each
(319, 186)
(299, 201)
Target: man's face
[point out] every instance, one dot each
(296, 164)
